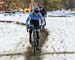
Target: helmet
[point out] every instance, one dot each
(36, 10)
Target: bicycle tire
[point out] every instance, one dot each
(34, 42)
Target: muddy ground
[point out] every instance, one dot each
(29, 55)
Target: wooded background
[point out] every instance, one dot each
(48, 4)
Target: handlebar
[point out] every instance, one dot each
(32, 26)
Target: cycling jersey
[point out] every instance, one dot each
(35, 20)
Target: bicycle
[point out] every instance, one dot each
(34, 40)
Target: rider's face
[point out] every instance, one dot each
(36, 14)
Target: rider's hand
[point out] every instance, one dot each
(28, 26)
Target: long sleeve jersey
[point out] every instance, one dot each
(33, 17)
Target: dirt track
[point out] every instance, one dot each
(43, 38)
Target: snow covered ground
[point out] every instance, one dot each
(14, 38)
(62, 31)
(61, 38)
(14, 17)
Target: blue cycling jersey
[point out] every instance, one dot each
(33, 17)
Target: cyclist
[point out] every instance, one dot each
(43, 12)
(35, 18)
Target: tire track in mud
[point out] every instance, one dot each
(43, 38)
